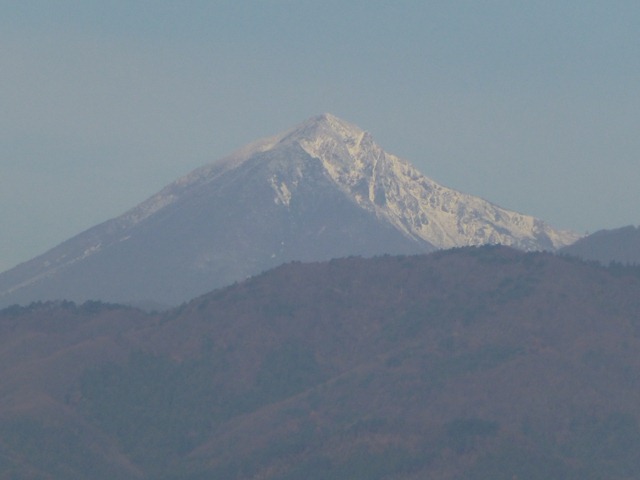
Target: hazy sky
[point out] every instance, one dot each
(532, 105)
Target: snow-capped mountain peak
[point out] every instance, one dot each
(418, 206)
(321, 190)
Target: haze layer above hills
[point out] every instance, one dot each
(322, 190)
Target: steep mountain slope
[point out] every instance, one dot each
(413, 203)
(620, 245)
(467, 364)
(322, 190)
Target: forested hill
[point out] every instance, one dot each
(471, 363)
(620, 245)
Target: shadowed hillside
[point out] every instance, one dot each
(473, 363)
(620, 245)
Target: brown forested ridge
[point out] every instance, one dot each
(471, 363)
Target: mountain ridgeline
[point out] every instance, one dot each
(322, 190)
(471, 363)
(620, 245)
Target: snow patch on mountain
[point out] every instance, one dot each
(283, 194)
(413, 203)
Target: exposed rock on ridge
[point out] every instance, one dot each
(419, 207)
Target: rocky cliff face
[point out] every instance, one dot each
(416, 205)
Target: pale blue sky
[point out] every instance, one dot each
(531, 105)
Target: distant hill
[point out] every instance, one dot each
(473, 363)
(322, 190)
(620, 245)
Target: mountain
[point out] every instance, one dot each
(469, 364)
(322, 190)
(621, 245)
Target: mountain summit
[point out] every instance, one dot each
(322, 190)
(417, 206)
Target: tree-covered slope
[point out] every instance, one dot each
(465, 364)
